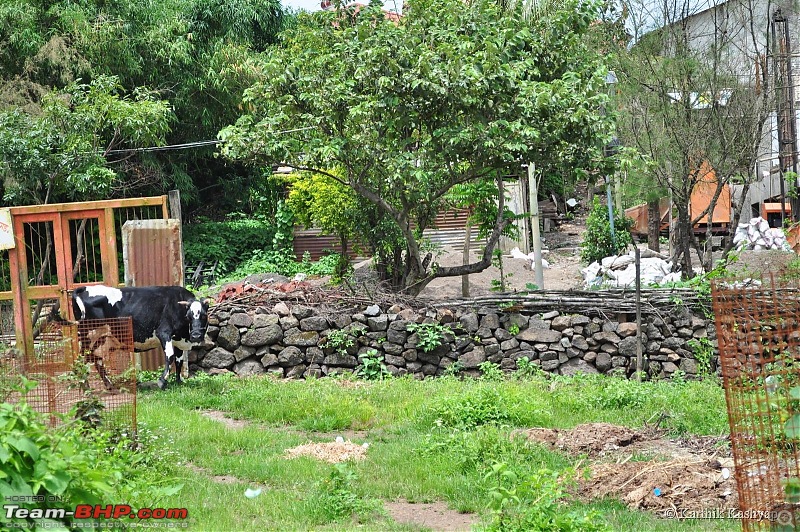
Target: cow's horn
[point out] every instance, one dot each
(209, 301)
(184, 303)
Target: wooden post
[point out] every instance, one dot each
(639, 361)
(465, 259)
(533, 188)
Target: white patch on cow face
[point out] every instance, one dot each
(113, 295)
(196, 309)
(81, 306)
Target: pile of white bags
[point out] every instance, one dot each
(619, 271)
(757, 235)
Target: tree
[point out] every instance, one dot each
(695, 93)
(68, 151)
(452, 93)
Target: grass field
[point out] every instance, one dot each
(437, 440)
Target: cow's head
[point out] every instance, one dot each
(197, 316)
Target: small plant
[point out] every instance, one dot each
(499, 285)
(337, 498)
(703, 351)
(527, 369)
(491, 371)
(513, 329)
(598, 240)
(339, 340)
(372, 366)
(535, 502)
(531, 287)
(429, 335)
(453, 369)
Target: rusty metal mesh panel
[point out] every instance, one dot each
(758, 329)
(74, 364)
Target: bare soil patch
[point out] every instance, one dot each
(646, 470)
(220, 479)
(331, 452)
(223, 418)
(436, 516)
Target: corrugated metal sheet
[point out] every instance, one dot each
(703, 192)
(317, 244)
(151, 251)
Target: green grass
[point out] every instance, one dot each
(429, 441)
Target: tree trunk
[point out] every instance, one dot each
(653, 225)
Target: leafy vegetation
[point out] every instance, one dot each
(76, 464)
(598, 241)
(428, 440)
(429, 335)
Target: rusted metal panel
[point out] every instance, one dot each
(152, 256)
(152, 253)
(703, 193)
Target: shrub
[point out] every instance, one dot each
(598, 243)
(228, 242)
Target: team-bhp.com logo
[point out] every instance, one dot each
(94, 511)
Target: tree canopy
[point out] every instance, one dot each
(451, 93)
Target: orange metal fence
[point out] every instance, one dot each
(86, 370)
(758, 329)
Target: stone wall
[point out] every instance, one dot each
(291, 341)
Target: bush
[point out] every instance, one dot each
(72, 465)
(598, 242)
(228, 242)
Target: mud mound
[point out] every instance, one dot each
(332, 452)
(590, 438)
(659, 486)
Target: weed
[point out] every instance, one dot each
(527, 369)
(534, 502)
(337, 499)
(491, 371)
(429, 335)
(482, 406)
(453, 369)
(513, 329)
(703, 351)
(339, 340)
(372, 366)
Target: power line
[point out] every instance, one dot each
(191, 145)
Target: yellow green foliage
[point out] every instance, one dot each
(318, 200)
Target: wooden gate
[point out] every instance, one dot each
(61, 246)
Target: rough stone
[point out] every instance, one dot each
(313, 323)
(410, 355)
(240, 319)
(340, 359)
(301, 311)
(689, 366)
(609, 348)
(229, 337)
(700, 333)
(576, 365)
(395, 361)
(315, 355)
(289, 322)
(560, 323)
(296, 372)
(602, 362)
(509, 344)
(545, 336)
(606, 336)
(550, 315)
(378, 323)
(536, 323)
(685, 332)
(548, 355)
(473, 359)
(669, 367)
(372, 311)
(502, 335)
(429, 370)
(590, 357)
(277, 371)
(626, 329)
(290, 356)
(340, 321)
(609, 326)
(483, 333)
(445, 316)
(392, 348)
(281, 309)
(469, 322)
(627, 346)
(248, 367)
(270, 359)
(520, 320)
(265, 320)
(490, 321)
(579, 342)
(430, 358)
(565, 343)
(269, 335)
(395, 336)
(530, 355)
(302, 339)
(218, 358)
(672, 343)
(508, 364)
(579, 319)
(550, 365)
(619, 362)
(314, 371)
(243, 352)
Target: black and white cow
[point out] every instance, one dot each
(169, 316)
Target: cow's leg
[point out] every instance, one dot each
(169, 358)
(179, 365)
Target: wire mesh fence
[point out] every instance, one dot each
(758, 329)
(86, 370)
